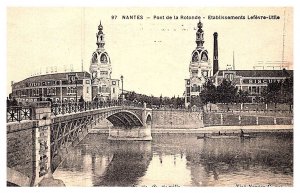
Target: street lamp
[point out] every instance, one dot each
(122, 85)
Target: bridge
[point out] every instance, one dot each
(39, 136)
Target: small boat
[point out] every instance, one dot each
(202, 137)
(246, 136)
(224, 136)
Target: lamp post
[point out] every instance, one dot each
(122, 85)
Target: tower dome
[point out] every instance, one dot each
(200, 54)
(100, 67)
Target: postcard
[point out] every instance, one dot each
(150, 97)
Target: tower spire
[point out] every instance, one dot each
(200, 35)
(100, 36)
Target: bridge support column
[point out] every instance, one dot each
(41, 150)
(42, 145)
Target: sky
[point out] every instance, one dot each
(152, 54)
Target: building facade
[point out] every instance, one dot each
(70, 86)
(199, 68)
(59, 87)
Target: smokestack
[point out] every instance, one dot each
(216, 60)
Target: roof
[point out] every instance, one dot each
(55, 76)
(259, 73)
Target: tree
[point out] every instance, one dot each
(81, 100)
(14, 102)
(287, 90)
(208, 94)
(242, 96)
(272, 93)
(279, 92)
(226, 92)
(160, 101)
(130, 96)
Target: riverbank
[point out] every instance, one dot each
(214, 129)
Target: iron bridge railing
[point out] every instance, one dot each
(67, 108)
(18, 113)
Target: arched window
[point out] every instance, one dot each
(204, 57)
(195, 57)
(94, 59)
(103, 58)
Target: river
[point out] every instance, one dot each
(180, 160)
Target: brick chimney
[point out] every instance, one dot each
(216, 60)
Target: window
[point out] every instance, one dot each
(195, 57)
(188, 91)
(87, 81)
(113, 90)
(103, 58)
(94, 59)
(71, 90)
(229, 76)
(195, 88)
(71, 79)
(87, 89)
(51, 91)
(204, 57)
(103, 73)
(113, 82)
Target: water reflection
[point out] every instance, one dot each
(130, 162)
(181, 160)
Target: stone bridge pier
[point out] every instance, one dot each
(131, 124)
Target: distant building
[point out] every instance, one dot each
(70, 86)
(252, 81)
(57, 87)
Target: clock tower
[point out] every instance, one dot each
(100, 69)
